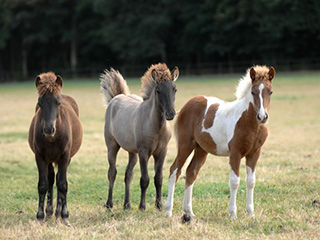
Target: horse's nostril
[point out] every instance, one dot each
(267, 116)
(258, 117)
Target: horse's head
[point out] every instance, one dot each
(165, 91)
(261, 91)
(49, 102)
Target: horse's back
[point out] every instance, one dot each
(121, 116)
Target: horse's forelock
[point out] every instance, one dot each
(48, 84)
(148, 83)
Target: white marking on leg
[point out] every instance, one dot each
(251, 180)
(169, 203)
(234, 184)
(187, 200)
(262, 112)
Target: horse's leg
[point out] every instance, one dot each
(234, 182)
(185, 147)
(49, 209)
(251, 161)
(42, 185)
(113, 149)
(158, 165)
(128, 178)
(62, 187)
(199, 158)
(144, 179)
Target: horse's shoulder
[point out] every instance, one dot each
(71, 102)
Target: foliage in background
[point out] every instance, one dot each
(84, 36)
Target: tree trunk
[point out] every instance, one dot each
(73, 48)
(24, 56)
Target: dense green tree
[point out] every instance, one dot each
(80, 37)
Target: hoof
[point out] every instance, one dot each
(109, 205)
(40, 216)
(142, 207)
(65, 221)
(186, 218)
(127, 206)
(158, 205)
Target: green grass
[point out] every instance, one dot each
(288, 172)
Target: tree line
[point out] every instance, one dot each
(82, 37)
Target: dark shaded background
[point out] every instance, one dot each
(79, 38)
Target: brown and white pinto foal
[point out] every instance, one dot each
(236, 129)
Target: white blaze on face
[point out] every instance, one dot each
(261, 112)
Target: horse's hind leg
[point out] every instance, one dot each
(158, 165)
(184, 150)
(199, 158)
(49, 209)
(42, 185)
(113, 149)
(144, 179)
(128, 178)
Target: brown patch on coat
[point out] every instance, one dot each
(211, 113)
(248, 137)
(189, 133)
(48, 83)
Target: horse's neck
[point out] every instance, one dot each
(154, 112)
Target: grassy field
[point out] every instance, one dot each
(288, 172)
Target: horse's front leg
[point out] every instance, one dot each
(251, 162)
(49, 208)
(158, 165)
(42, 185)
(234, 182)
(144, 179)
(128, 178)
(62, 187)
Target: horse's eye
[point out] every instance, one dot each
(252, 92)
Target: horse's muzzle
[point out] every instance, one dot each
(49, 131)
(262, 119)
(170, 115)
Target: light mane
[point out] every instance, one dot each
(47, 84)
(245, 83)
(148, 83)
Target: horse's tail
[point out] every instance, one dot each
(112, 84)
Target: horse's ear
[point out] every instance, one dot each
(175, 73)
(252, 74)
(154, 75)
(59, 80)
(37, 81)
(271, 73)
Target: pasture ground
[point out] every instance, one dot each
(288, 172)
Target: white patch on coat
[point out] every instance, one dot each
(225, 120)
(261, 112)
(234, 185)
(169, 203)
(187, 200)
(251, 180)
